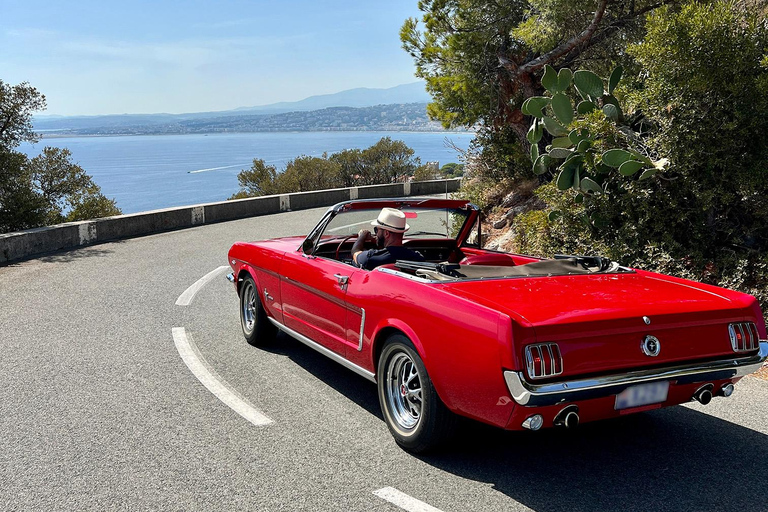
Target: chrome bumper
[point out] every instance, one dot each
(525, 393)
(231, 277)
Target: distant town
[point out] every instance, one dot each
(400, 108)
(396, 117)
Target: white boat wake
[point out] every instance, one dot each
(217, 168)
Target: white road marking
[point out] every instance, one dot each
(221, 391)
(186, 298)
(402, 500)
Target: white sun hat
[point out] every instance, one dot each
(391, 220)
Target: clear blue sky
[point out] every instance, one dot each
(105, 57)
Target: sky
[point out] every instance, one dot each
(104, 57)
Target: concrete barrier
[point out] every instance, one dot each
(33, 242)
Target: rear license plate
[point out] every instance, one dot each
(642, 394)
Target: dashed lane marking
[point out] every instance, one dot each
(185, 299)
(230, 398)
(402, 500)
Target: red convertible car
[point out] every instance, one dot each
(513, 341)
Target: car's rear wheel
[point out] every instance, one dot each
(253, 319)
(415, 415)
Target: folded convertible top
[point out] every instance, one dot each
(554, 267)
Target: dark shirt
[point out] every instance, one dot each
(372, 258)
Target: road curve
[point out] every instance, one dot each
(100, 412)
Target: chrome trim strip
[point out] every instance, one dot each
(362, 327)
(525, 393)
(407, 276)
(326, 352)
(529, 362)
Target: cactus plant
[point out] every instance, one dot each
(580, 164)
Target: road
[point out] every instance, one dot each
(100, 412)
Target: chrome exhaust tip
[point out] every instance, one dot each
(568, 417)
(703, 395)
(571, 420)
(726, 390)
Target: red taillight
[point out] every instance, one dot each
(744, 336)
(543, 360)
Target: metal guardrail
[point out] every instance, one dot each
(33, 242)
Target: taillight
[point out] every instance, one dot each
(744, 337)
(543, 360)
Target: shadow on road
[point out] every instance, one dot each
(672, 459)
(361, 391)
(65, 256)
(78, 254)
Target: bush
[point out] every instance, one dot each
(385, 162)
(704, 90)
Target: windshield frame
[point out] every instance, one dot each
(471, 212)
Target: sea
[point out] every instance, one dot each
(150, 172)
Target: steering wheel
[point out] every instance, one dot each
(346, 239)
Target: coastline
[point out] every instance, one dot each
(43, 136)
(145, 172)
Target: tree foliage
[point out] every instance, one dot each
(703, 89)
(47, 189)
(17, 104)
(386, 161)
(481, 60)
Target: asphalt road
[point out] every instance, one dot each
(98, 411)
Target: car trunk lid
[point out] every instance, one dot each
(600, 321)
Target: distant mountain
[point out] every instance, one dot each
(356, 98)
(361, 97)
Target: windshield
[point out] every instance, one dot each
(423, 223)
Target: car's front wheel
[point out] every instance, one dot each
(253, 319)
(415, 415)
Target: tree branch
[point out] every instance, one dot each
(568, 45)
(610, 29)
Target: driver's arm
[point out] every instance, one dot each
(359, 244)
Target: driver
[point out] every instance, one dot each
(388, 229)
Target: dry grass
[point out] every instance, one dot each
(762, 373)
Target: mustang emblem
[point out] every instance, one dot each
(651, 346)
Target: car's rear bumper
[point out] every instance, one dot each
(552, 393)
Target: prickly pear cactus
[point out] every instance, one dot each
(574, 152)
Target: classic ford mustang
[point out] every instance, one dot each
(513, 341)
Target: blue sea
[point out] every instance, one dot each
(149, 172)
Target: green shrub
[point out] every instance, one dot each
(384, 162)
(703, 89)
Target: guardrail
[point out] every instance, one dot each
(33, 242)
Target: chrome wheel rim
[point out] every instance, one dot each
(403, 391)
(248, 308)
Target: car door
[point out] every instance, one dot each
(313, 292)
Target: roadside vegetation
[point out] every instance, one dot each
(634, 130)
(49, 188)
(387, 161)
